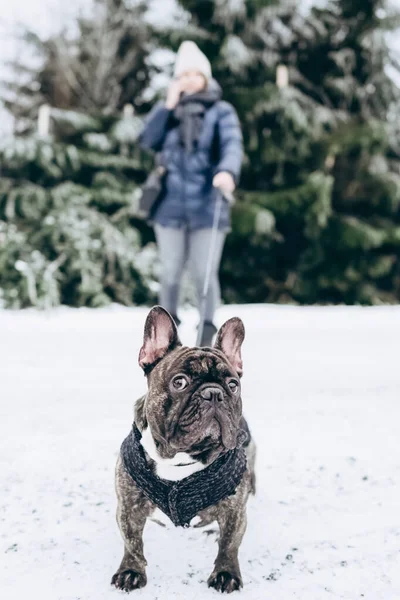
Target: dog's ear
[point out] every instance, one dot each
(229, 340)
(160, 337)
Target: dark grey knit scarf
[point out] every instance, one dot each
(183, 500)
(190, 113)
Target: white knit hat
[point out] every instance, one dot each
(191, 58)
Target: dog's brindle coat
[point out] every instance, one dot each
(193, 405)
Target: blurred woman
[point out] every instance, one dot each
(199, 139)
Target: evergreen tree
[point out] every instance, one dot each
(318, 212)
(316, 149)
(68, 197)
(98, 67)
(66, 208)
(356, 257)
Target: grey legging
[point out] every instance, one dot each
(178, 246)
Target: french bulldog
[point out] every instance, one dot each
(190, 450)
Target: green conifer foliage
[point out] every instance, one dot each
(321, 153)
(317, 217)
(68, 197)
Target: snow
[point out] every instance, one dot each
(321, 393)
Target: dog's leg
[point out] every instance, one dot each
(132, 512)
(226, 576)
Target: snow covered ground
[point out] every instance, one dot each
(321, 391)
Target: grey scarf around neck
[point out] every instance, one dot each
(182, 500)
(190, 113)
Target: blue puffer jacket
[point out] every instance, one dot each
(189, 199)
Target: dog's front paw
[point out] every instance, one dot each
(223, 581)
(128, 580)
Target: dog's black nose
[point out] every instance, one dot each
(212, 393)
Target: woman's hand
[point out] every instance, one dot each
(173, 94)
(224, 181)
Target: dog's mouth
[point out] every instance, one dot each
(197, 435)
(204, 426)
(207, 450)
(217, 436)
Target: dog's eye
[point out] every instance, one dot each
(180, 383)
(233, 386)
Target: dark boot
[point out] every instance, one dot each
(209, 330)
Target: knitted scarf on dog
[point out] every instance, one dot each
(182, 500)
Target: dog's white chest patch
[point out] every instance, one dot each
(175, 473)
(174, 469)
